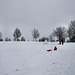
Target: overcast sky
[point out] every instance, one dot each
(44, 15)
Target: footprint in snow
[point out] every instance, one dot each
(16, 69)
(6, 73)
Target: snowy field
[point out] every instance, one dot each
(31, 58)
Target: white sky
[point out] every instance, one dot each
(44, 15)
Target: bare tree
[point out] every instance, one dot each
(60, 33)
(16, 34)
(35, 34)
(1, 37)
(43, 39)
(71, 31)
(51, 37)
(7, 39)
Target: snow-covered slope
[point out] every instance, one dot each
(31, 58)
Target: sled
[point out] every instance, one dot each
(49, 50)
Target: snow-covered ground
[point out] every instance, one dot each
(32, 58)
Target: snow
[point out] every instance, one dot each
(32, 58)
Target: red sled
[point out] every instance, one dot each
(49, 50)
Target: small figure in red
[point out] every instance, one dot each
(22, 39)
(55, 48)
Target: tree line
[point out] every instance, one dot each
(60, 32)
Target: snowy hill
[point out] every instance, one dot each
(32, 58)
